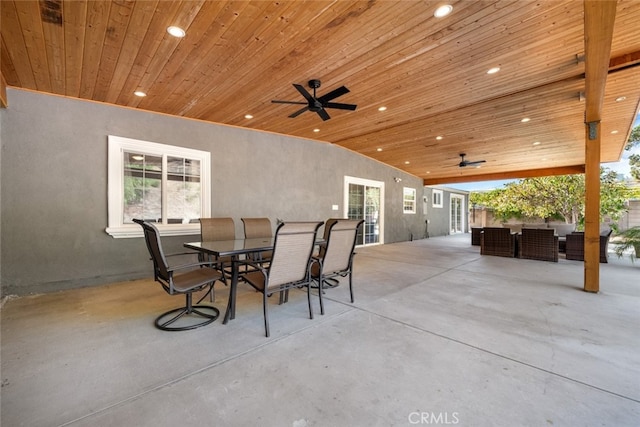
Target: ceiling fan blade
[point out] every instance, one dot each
(275, 101)
(340, 106)
(300, 111)
(304, 93)
(322, 113)
(333, 94)
(477, 162)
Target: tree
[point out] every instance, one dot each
(634, 159)
(634, 138)
(634, 162)
(555, 197)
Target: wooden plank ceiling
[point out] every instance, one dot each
(430, 73)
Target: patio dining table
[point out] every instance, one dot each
(234, 249)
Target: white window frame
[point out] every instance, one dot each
(437, 197)
(409, 201)
(117, 147)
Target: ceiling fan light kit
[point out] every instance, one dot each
(318, 104)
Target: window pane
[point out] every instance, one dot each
(183, 190)
(142, 187)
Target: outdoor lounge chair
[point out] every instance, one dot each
(497, 241)
(538, 243)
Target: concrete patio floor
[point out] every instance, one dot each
(438, 335)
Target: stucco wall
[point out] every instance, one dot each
(54, 187)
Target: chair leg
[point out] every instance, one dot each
(266, 314)
(207, 313)
(211, 294)
(320, 292)
(309, 299)
(351, 286)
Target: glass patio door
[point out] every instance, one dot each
(457, 214)
(364, 200)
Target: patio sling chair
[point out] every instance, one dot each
(539, 243)
(329, 282)
(289, 266)
(255, 228)
(213, 230)
(182, 279)
(336, 257)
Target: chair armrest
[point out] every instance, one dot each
(256, 265)
(192, 265)
(182, 253)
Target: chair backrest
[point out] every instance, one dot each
(538, 233)
(216, 229)
(154, 245)
(327, 226)
(257, 227)
(292, 251)
(340, 242)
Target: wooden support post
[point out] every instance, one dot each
(599, 17)
(592, 208)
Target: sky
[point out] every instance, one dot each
(621, 167)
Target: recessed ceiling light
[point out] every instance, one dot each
(407, 162)
(443, 11)
(176, 31)
(379, 149)
(536, 143)
(525, 120)
(383, 108)
(493, 70)
(248, 116)
(316, 130)
(428, 172)
(614, 132)
(139, 93)
(439, 137)
(621, 98)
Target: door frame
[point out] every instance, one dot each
(368, 183)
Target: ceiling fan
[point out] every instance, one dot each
(318, 104)
(463, 163)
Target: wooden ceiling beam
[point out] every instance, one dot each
(624, 61)
(599, 20)
(529, 173)
(3, 92)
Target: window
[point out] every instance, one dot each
(163, 184)
(436, 198)
(409, 200)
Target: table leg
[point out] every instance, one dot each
(231, 304)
